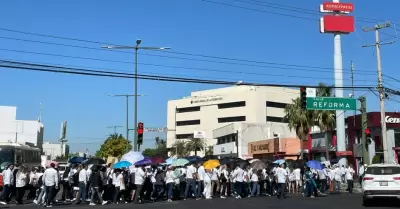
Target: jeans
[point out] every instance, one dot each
(96, 190)
(138, 193)
(67, 192)
(116, 195)
(50, 193)
(5, 195)
(223, 185)
(190, 183)
(20, 194)
(170, 186)
(255, 189)
(157, 191)
(337, 186)
(200, 188)
(310, 188)
(281, 190)
(239, 186)
(323, 185)
(82, 192)
(350, 185)
(213, 184)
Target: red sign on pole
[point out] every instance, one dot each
(337, 24)
(342, 7)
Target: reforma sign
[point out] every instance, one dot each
(331, 103)
(205, 100)
(389, 119)
(341, 7)
(261, 147)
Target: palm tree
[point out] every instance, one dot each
(179, 149)
(209, 150)
(299, 120)
(196, 145)
(325, 119)
(160, 142)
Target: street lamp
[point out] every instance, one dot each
(136, 48)
(127, 111)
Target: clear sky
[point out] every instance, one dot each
(189, 26)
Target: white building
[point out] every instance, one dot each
(19, 131)
(212, 109)
(55, 150)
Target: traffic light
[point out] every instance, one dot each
(140, 133)
(368, 136)
(303, 98)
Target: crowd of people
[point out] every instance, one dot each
(99, 184)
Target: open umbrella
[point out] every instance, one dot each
(76, 160)
(280, 161)
(210, 164)
(253, 160)
(132, 157)
(227, 161)
(145, 161)
(258, 165)
(209, 157)
(169, 161)
(157, 160)
(122, 164)
(313, 164)
(94, 161)
(194, 159)
(180, 162)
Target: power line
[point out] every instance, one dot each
(288, 66)
(58, 69)
(183, 67)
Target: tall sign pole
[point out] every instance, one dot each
(337, 23)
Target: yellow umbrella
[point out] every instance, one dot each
(210, 164)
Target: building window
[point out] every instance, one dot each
(187, 122)
(275, 119)
(184, 136)
(188, 109)
(276, 104)
(232, 119)
(232, 105)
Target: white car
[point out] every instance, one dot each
(381, 181)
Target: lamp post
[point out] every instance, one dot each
(127, 113)
(136, 48)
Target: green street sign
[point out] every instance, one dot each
(331, 103)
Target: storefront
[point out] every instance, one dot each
(277, 148)
(375, 147)
(225, 150)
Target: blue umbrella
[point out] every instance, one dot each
(280, 161)
(122, 164)
(313, 164)
(180, 162)
(145, 161)
(169, 161)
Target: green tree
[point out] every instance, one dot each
(179, 149)
(195, 145)
(115, 145)
(149, 152)
(210, 150)
(325, 119)
(160, 150)
(299, 120)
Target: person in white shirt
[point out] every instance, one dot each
(82, 179)
(297, 177)
(50, 180)
(8, 181)
(238, 175)
(20, 183)
(254, 181)
(350, 178)
(337, 177)
(215, 180)
(281, 177)
(200, 186)
(207, 184)
(322, 175)
(361, 172)
(224, 176)
(140, 176)
(190, 180)
(169, 181)
(343, 171)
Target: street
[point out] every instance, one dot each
(343, 201)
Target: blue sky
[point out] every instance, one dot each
(190, 26)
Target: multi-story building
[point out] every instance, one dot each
(54, 150)
(19, 131)
(205, 111)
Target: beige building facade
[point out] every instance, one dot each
(208, 110)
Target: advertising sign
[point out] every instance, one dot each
(341, 7)
(336, 24)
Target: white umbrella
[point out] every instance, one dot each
(132, 157)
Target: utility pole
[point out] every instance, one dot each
(136, 48)
(364, 126)
(377, 45)
(127, 114)
(115, 128)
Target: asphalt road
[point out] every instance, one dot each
(343, 201)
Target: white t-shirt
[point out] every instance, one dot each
(118, 180)
(349, 174)
(139, 176)
(239, 173)
(214, 176)
(169, 177)
(254, 177)
(83, 176)
(281, 174)
(201, 172)
(190, 171)
(297, 174)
